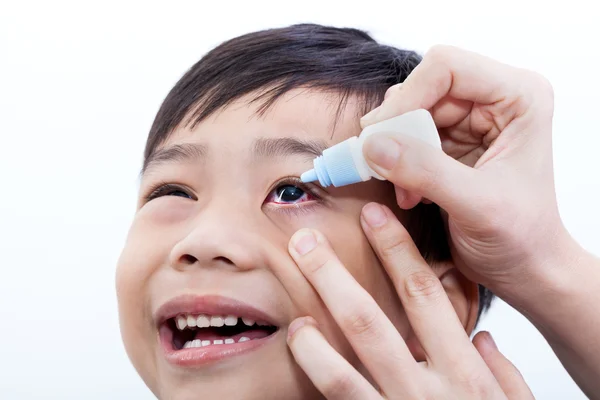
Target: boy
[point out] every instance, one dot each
(205, 284)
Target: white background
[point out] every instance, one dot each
(79, 87)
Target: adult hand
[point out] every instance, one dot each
(495, 176)
(495, 181)
(454, 368)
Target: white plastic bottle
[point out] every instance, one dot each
(344, 163)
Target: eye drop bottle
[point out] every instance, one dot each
(344, 163)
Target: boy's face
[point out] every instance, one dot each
(212, 243)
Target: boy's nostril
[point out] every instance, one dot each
(188, 260)
(224, 260)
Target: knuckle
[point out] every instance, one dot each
(440, 52)
(540, 82)
(392, 91)
(538, 90)
(360, 321)
(473, 382)
(424, 286)
(546, 95)
(340, 385)
(316, 265)
(429, 178)
(546, 86)
(394, 244)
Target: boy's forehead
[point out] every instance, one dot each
(300, 113)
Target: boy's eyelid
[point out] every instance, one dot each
(295, 209)
(161, 188)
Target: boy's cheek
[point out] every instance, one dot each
(132, 324)
(165, 211)
(140, 257)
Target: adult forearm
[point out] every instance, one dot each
(565, 306)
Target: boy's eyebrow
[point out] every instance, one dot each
(261, 148)
(288, 146)
(174, 153)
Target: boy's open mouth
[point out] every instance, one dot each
(192, 331)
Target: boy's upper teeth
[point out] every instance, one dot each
(205, 321)
(202, 321)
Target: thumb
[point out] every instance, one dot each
(420, 168)
(508, 376)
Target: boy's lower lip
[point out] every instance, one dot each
(201, 356)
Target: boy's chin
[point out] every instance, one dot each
(268, 371)
(263, 379)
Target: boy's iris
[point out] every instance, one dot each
(289, 193)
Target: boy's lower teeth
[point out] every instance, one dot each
(186, 337)
(204, 343)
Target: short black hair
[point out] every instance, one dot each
(345, 61)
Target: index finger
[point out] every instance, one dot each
(445, 83)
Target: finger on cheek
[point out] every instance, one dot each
(422, 295)
(374, 216)
(331, 374)
(306, 342)
(311, 251)
(302, 242)
(298, 324)
(388, 237)
(385, 232)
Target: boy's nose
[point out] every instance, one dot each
(218, 237)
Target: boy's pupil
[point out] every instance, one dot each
(290, 193)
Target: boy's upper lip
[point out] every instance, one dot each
(210, 305)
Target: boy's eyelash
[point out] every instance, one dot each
(296, 209)
(163, 188)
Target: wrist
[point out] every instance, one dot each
(562, 304)
(562, 284)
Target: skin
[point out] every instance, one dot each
(495, 181)
(239, 240)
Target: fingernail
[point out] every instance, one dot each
(490, 341)
(400, 194)
(299, 323)
(374, 215)
(486, 345)
(304, 241)
(370, 116)
(382, 151)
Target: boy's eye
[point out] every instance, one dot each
(178, 193)
(289, 194)
(169, 190)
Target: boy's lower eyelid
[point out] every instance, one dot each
(296, 209)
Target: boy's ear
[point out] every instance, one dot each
(464, 296)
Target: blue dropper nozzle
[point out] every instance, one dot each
(335, 167)
(309, 176)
